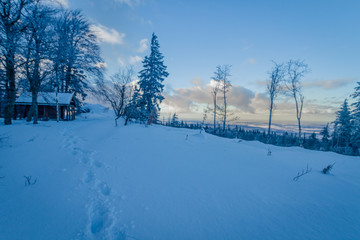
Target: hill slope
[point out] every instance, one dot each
(97, 181)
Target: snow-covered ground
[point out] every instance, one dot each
(98, 181)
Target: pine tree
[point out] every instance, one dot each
(135, 109)
(356, 104)
(355, 139)
(174, 120)
(312, 142)
(151, 78)
(343, 125)
(325, 135)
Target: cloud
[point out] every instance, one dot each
(135, 59)
(143, 45)
(197, 82)
(101, 65)
(330, 84)
(185, 100)
(324, 84)
(182, 100)
(130, 3)
(243, 103)
(251, 61)
(108, 35)
(241, 98)
(319, 109)
(261, 83)
(121, 61)
(132, 60)
(62, 3)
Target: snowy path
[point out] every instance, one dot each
(102, 215)
(97, 181)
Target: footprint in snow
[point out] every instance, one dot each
(98, 164)
(118, 234)
(86, 156)
(76, 151)
(85, 159)
(104, 188)
(99, 219)
(89, 177)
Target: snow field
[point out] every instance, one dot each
(97, 181)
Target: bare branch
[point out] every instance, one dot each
(302, 173)
(28, 181)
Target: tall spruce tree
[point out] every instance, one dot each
(150, 81)
(355, 139)
(356, 104)
(343, 125)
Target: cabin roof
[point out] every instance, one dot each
(45, 98)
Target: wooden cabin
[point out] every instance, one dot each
(47, 102)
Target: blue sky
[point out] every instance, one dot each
(196, 36)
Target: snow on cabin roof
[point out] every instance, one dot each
(46, 98)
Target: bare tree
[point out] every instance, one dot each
(11, 28)
(36, 52)
(296, 70)
(277, 75)
(214, 92)
(222, 75)
(117, 92)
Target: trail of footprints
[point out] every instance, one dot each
(102, 223)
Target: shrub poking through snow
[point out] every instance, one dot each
(328, 168)
(302, 173)
(269, 152)
(28, 181)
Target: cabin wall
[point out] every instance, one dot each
(45, 112)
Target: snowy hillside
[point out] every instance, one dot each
(97, 181)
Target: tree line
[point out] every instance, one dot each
(342, 135)
(335, 140)
(284, 78)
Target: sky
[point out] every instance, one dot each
(197, 36)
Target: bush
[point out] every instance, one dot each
(328, 168)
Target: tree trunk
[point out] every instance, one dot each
(298, 114)
(299, 124)
(270, 117)
(224, 123)
(10, 88)
(35, 107)
(35, 84)
(67, 81)
(33, 112)
(116, 121)
(214, 96)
